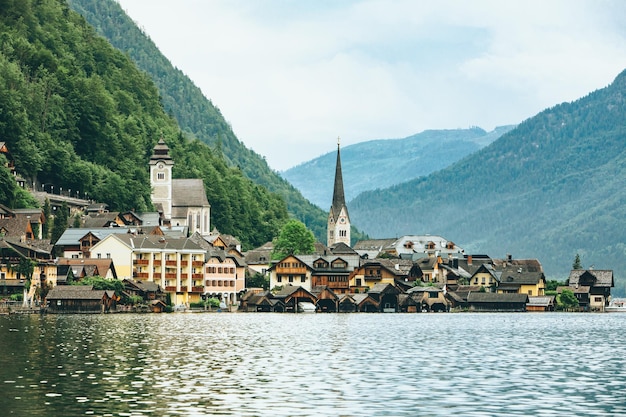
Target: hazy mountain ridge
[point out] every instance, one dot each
(549, 189)
(381, 163)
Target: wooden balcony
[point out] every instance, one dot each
(141, 261)
(199, 289)
(170, 275)
(197, 263)
(183, 288)
(170, 263)
(197, 276)
(184, 263)
(170, 288)
(140, 275)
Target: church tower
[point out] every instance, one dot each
(338, 218)
(161, 164)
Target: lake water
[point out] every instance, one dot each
(254, 364)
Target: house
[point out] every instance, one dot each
(386, 295)
(258, 260)
(13, 278)
(383, 271)
(599, 282)
(523, 276)
(291, 270)
(407, 246)
(542, 303)
(80, 299)
(486, 276)
(489, 301)
(77, 242)
(147, 290)
(291, 295)
(327, 300)
(90, 267)
(21, 224)
(430, 298)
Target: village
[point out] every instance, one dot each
(171, 260)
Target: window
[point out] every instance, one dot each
(597, 299)
(99, 256)
(303, 278)
(161, 176)
(279, 279)
(482, 280)
(290, 278)
(108, 256)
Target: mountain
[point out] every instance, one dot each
(378, 164)
(78, 115)
(548, 189)
(195, 114)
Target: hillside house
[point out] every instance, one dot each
(592, 288)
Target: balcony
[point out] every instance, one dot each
(170, 288)
(170, 263)
(141, 261)
(184, 263)
(183, 288)
(197, 276)
(197, 289)
(141, 275)
(197, 263)
(170, 275)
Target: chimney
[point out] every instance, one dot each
(469, 259)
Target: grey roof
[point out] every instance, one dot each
(188, 192)
(603, 277)
(490, 297)
(424, 289)
(540, 301)
(75, 292)
(72, 236)
(159, 242)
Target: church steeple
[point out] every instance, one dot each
(338, 218)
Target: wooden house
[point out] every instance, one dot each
(386, 295)
(291, 295)
(488, 301)
(430, 298)
(80, 299)
(291, 271)
(542, 303)
(599, 283)
(327, 300)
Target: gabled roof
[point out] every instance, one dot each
(540, 301)
(188, 192)
(92, 266)
(72, 236)
(490, 297)
(75, 292)
(599, 277)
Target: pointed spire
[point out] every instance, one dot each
(339, 199)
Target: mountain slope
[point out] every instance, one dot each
(549, 189)
(78, 116)
(194, 112)
(382, 163)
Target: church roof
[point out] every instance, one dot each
(161, 152)
(188, 193)
(339, 199)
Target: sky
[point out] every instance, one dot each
(291, 76)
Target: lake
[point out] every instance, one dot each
(255, 364)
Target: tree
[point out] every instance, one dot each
(294, 239)
(45, 227)
(576, 264)
(60, 223)
(567, 300)
(258, 280)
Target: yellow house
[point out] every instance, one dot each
(485, 276)
(380, 271)
(521, 276)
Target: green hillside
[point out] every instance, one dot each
(195, 114)
(378, 164)
(549, 189)
(77, 114)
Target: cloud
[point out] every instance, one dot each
(291, 76)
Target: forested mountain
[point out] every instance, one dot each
(76, 113)
(379, 164)
(195, 114)
(549, 189)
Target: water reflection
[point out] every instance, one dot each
(301, 365)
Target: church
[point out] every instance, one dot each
(180, 202)
(338, 218)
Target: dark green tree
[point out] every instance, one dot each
(294, 239)
(566, 300)
(45, 227)
(577, 264)
(258, 281)
(60, 223)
